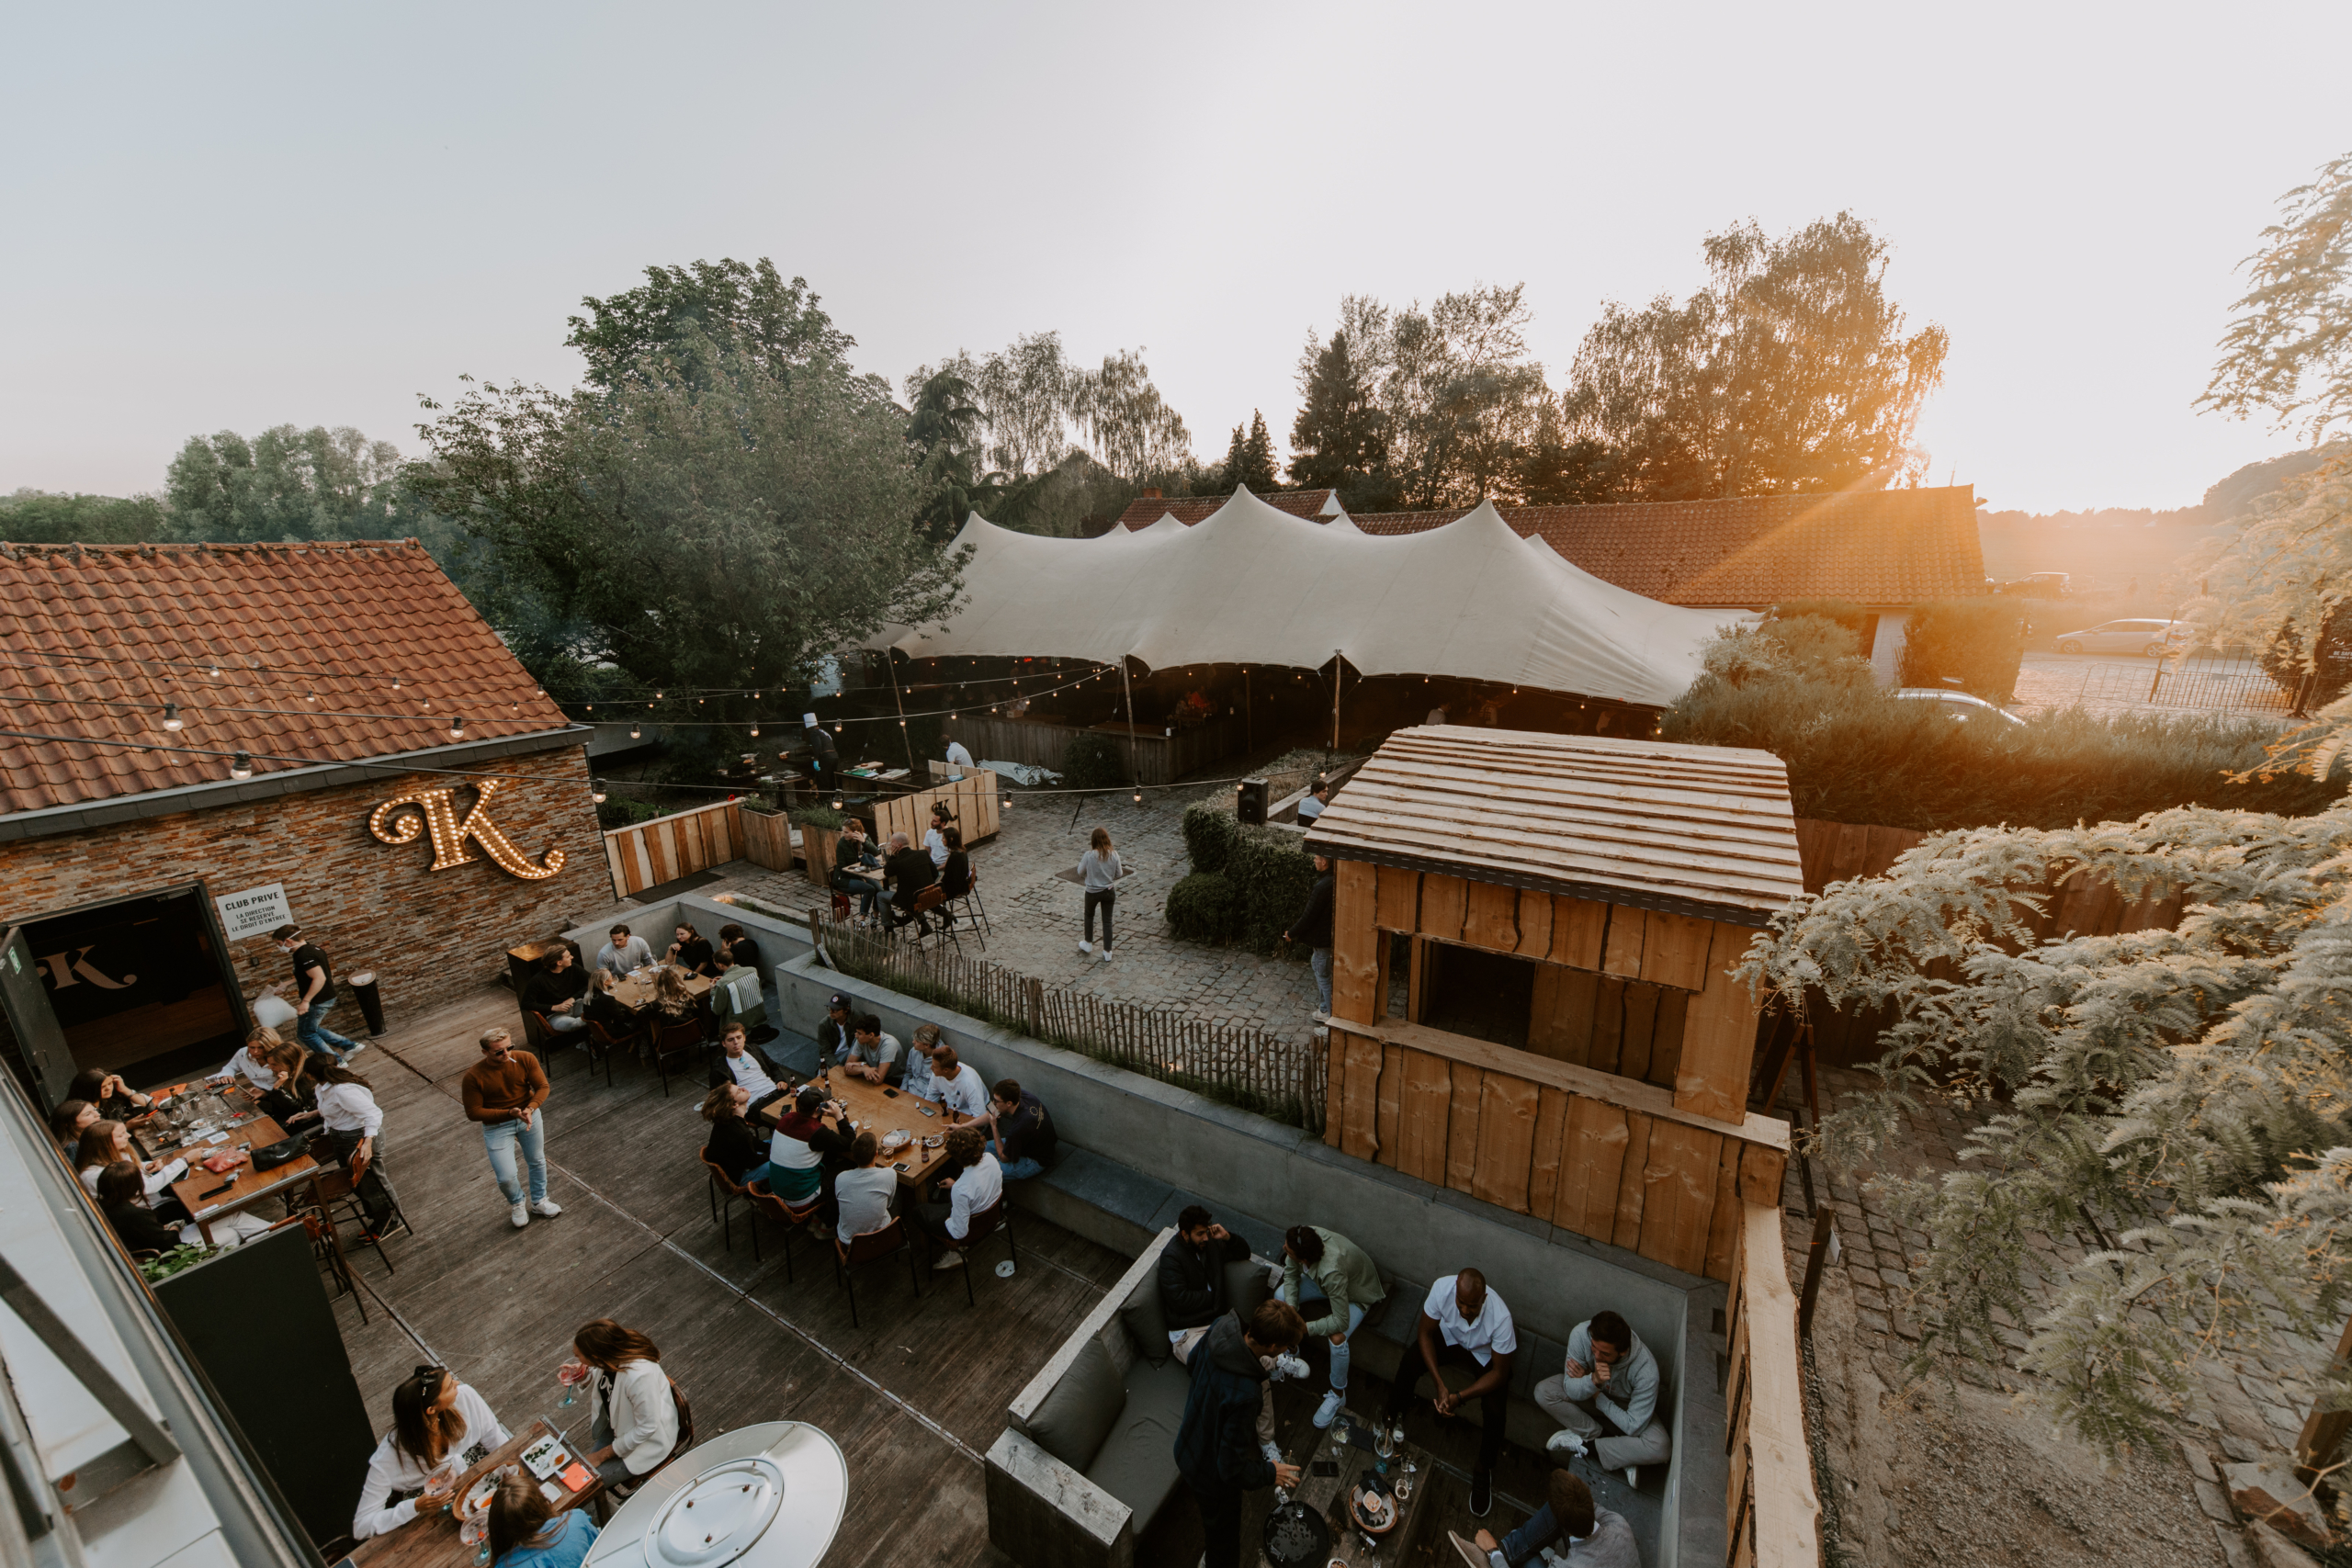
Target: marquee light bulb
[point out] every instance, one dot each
(242, 767)
(597, 792)
(172, 715)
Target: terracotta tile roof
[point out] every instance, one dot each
(1887, 547)
(1145, 510)
(312, 635)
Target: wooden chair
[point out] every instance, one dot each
(339, 1200)
(716, 1183)
(669, 1039)
(603, 1042)
(865, 1249)
(793, 1217)
(997, 1216)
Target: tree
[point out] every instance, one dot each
(944, 432)
(1556, 471)
(1791, 373)
(1250, 460)
(1339, 439)
(2290, 354)
(682, 315)
(41, 517)
(290, 484)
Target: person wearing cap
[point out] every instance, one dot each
(824, 766)
(804, 1146)
(833, 1033)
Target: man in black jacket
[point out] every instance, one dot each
(1313, 931)
(1192, 1271)
(1216, 1444)
(910, 872)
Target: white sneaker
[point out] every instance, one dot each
(1329, 1408)
(1566, 1442)
(1274, 1455)
(520, 1213)
(356, 1047)
(1106, 955)
(547, 1206)
(1086, 947)
(1289, 1366)
(1320, 1016)
(1633, 1476)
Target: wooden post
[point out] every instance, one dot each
(1129, 693)
(1249, 715)
(905, 738)
(1339, 673)
(1823, 1222)
(2323, 1432)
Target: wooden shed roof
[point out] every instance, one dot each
(1704, 831)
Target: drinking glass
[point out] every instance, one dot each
(572, 1374)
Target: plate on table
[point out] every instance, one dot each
(896, 1139)
(478, 1497)
(935, 1141)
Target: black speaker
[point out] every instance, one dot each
(1252, 807)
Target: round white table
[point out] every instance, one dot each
(769, 1495)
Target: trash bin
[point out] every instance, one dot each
(370, 1000)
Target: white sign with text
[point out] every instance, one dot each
(258, 912)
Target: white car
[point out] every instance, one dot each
(2153, 638)
(1963, 708)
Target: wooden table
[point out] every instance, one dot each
(872, 1106)
(249, 1186)
(430, 1540)
(640, 994)
(1328, 1494)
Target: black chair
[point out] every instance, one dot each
(603, 1043)
(793, 1218)
(975, 911)
(997, 1216)
(718, 1182)
(669, 1040)
(865, 1249)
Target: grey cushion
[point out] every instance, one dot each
(1137, 1463)
(1147, 1321)
(1072, 1422)
(1245, 1288)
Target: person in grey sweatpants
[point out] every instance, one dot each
(1098, 873)
(1606, 1399)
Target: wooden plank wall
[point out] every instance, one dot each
(1772, 1514)
(768, 838)
(973, 799)
(667, 848)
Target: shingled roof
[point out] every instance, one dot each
(313, 653)
(1885, 548)
(1145, 510)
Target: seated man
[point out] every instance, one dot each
(1333, 1283)
(559, 992)
(833, 1033)
(1606, 1399)
(955, 1086)
(973, 1184)
(873, 1055)
(910, 871)
(1463, 1325)
(854, 865)
(863, 1194)
(1192, 1275)
(1570, 1522)
(739, 1064)
(622, 953)
(1316, 799)
(1020, 1134)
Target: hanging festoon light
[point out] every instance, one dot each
(172, 717)
(1008, 800)
(457, 729)
(396, 681)
(837, 800)
(597, 791)
(635, 733)
(1138, 795)
(755, 729)
(240, 766)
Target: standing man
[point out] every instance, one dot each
(1466, 1326)
(824, 766)
(503, 1091)
(1313, 931)
(1216, 1444)
(314, 994)
(1606, 1400)
(622, 953)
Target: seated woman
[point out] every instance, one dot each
(736, 951)
(692, 953)
(103, 1143)
(116, 1101)
(525, 1533)
(615, 1017)
(734, 1146)
(441, 1429)
(294, 1100)
(69, 1121)
(250, 1067)
(852, 853)
(633, 1413)
(955, 872)
(122, 1187)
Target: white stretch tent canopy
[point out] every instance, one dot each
(1252, 585)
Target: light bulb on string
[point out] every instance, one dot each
(837, 803)
(242, 767)
(634, 732)
(457, 729)
(172, 715)
(396, 681)
(597, 792)
(755, 729)
(1138, 795)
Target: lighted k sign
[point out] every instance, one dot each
(403, 819)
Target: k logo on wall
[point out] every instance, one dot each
(434, 813)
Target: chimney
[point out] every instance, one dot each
(1152, 494)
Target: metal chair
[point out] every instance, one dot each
(997, 1216)
(686, 1034)
(865, 1249)
(974, 911)
(718, 1182)
(791, 1217)
(339, 1200)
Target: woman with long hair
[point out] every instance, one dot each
(295, 1097)
(121, 1187)
(734, 1144)
(69, 1121)
(116, 1101)
(1098, 873)
(250, 1067)
(955, 872)
(103, 1143)
(672, 997)
(525, 1533)
(441, 1429)
(633, 1411)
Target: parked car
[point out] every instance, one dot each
(2153, 638)
(1963, 708)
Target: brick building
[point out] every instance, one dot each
(202, 741)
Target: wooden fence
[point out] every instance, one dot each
(1156, 758)
(1772, 1515)
(1276, 1077)
(767, 840)
(973, 799)
(646, 854)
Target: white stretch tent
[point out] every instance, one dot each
(1252, 585)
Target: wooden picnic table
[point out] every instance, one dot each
(246, 1184)
(1347, 1446)
(431, 1540)
(640, 994)
(883, 1109)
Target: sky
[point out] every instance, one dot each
(229, 218)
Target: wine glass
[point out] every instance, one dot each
(572, 1374)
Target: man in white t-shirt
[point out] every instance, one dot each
(738, 1064)
(1464, 1327)
(977, 1185)
(957, 757)
(955, 1086)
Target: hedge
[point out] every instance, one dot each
(1094, 762)
(1862, 623)
(1975, 643)
(1209, 836)
(1202, 908)
(1247, 884)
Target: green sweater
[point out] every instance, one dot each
(1346, 1276)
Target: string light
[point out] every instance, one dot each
(634, 732)
(1138, 795)
(457, 729)
(172, 717)
(597, 792)
(837, 800)
(242, 767)
(755, 729)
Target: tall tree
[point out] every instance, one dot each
(1249, 459)
(42, 517)
(285, 483)
(683, 315)
(1339, 439)
(1792, 372)
(2290, 352)
(944, 432)
(1554, 470)
(1129, 426)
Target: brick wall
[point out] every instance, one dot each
(429, 935)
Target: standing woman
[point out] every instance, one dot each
(525, 1533)
(633, 1413)
(353, 1121)
(441, 1429)
(1098, 870)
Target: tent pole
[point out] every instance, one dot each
(1339, 673)
(1129, 693)
(901, 703)
(1249, 715)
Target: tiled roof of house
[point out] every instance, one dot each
(1145, 510)
(308, 641)
(1886, 546)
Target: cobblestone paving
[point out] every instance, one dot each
(1036, 917)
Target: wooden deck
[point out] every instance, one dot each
(914, 1398)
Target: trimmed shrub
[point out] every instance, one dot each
(1845, 611)
(1094, 762)
(1979, 643)
(1273, 876)
(823, 817)
(1203, 908)
(1209, 836)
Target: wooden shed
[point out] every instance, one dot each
(1530, 995)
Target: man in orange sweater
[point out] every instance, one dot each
(503, 1091)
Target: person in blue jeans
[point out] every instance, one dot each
(526, 1532)
(1021, 1133)
(313, 994)
(503, 1091)
(1587, 1535)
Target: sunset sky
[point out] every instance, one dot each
(234, 218)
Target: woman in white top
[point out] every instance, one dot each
(108, 1141)
(935, 838)
(441, 1429)
(1098, 873)
(255, 1061)
(347, 1107)
(633, 1415)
